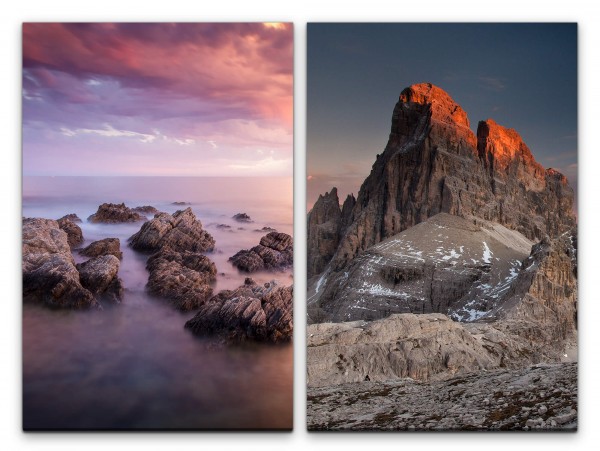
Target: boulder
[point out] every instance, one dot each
(100, 276)
(72, 217)
(180, 232)
(242, 217)
(115, 213)
(183, 278)
(274, 252)
(107, 246)
(250, 312)
(49, 273)
(73, 231)
(146, 209)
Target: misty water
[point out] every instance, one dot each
(134, 365)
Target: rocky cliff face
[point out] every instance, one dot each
(434, 163)
(445, 264)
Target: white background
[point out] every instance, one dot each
(14, 12)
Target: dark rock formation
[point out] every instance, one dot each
(433, 163)
(180, 203)
(251, 312)
(184, 278)
(49, 273)
(275, 251)
(146, 209)
(242, 217)
(223, 227)
(100, 276)
(107, 246)
(71, 217)
(73, 231)
(266, 229)
(181, 231)
(115, 213)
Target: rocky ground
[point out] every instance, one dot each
(539, 397)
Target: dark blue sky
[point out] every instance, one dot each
(524, 76)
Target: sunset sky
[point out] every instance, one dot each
(524, 76)
(158, 99)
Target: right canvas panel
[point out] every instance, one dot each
(442, 226)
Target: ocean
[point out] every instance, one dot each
(133, 365)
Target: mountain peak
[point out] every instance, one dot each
(503, 143)
(443, 107)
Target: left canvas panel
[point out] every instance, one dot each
(157, 226)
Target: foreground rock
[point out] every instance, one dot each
(73, 231)
(107, 246)
(184, 278)
(251, 312)
(49, 273)
(180, 232)
(100, 276)
(115, 213)
(540, 397)
(275, 251)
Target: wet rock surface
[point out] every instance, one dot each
(539, 397)
(184, 278)
(250, 312)
(73, 231)
(49, 273)
(275, 251)
(107, 246)
(115, 213)
(100, 276)
(180, 232)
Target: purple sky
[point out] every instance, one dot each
(158, 99)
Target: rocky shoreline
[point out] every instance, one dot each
(179, 271)
(541, 397)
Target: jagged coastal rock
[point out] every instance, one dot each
(115, 213)
(49, 273)
(275, 251)
(107, 246)
(250, 312)
(100, 276)
(434, 163)
(73, 231)
(184, 278)
(181, 231)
